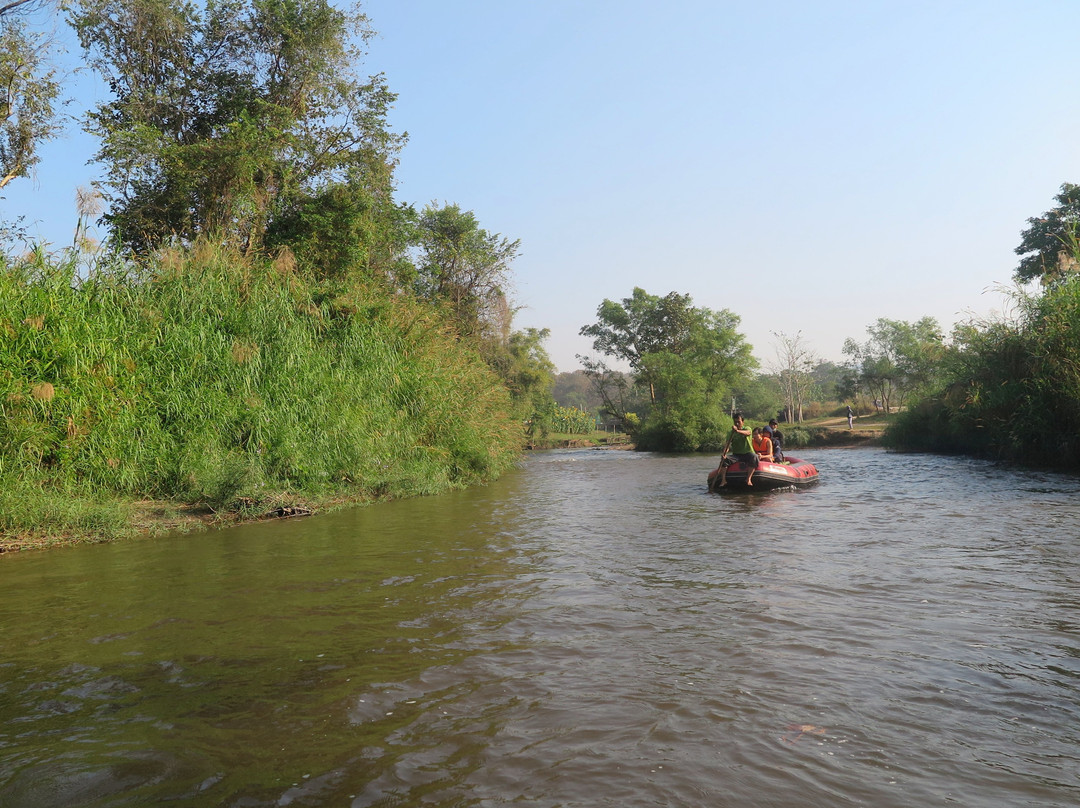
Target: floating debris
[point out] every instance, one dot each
(802, 729)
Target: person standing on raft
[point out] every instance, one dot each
(741, 449)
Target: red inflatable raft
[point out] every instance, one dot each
(794, 473)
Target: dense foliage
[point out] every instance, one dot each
(688, 359)
(1011, 389)
(272, 322)
(222, 381)
(228, 119)
(899, 360)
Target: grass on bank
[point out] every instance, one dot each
(222, 385)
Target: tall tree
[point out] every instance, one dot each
(29, 88)
(795, 368)
(227, 114)
(898, 359)
(641, 325)
(1047, 246)
(527, 370)
(686, 357)
(467, 268)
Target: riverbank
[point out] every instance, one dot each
(834, 432)
(147, 518)
(207, 388)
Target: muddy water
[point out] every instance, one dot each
(593, 629)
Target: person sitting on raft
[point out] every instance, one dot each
(763, 446)
(777, 438)
(741, 449)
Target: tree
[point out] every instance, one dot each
(573, 389)
(900, 358)
(1046, 247)
(640, 325)
(228, 114)
(795, 370)
(29, 91)
(687, 358)
(467, 268)
(529, 372)
(614, 389)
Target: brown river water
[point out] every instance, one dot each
(594, 629)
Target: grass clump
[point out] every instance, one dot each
(211, 380)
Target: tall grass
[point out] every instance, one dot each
(1012, 388)
(209, 379)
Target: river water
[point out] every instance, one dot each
(594, 629)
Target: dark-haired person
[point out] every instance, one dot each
(777, 438)
(763, 445)
(741, 449)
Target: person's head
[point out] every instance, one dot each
(737, 419)
(773, 422)
(757, 431)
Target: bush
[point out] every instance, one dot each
(1006, 383)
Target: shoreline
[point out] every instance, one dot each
(153, 518)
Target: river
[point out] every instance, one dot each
(594, 629)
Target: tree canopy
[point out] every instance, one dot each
(467, 268)
(29, 90)
(1047, 245)
(898, 359)
(687, 357)
(227, 115)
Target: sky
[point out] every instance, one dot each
(809, 166)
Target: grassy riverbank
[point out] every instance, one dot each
(866, 430)
(210, 388)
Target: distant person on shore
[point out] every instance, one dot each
(850, 415)
(742, 450)
(763, 445)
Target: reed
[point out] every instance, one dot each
(206, 378)
(1011, 388)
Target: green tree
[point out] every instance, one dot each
(1010, 388)
(529, 372)
(1046, 247)
(899, 359)
(227, 114)
(686, 357)
(466, 268)
(639, 326)
(29, 90)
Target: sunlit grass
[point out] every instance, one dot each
(208, 379)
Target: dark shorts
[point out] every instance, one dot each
(749, 459)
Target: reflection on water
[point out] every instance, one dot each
(594, 629)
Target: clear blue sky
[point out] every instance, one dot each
(809, 166)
